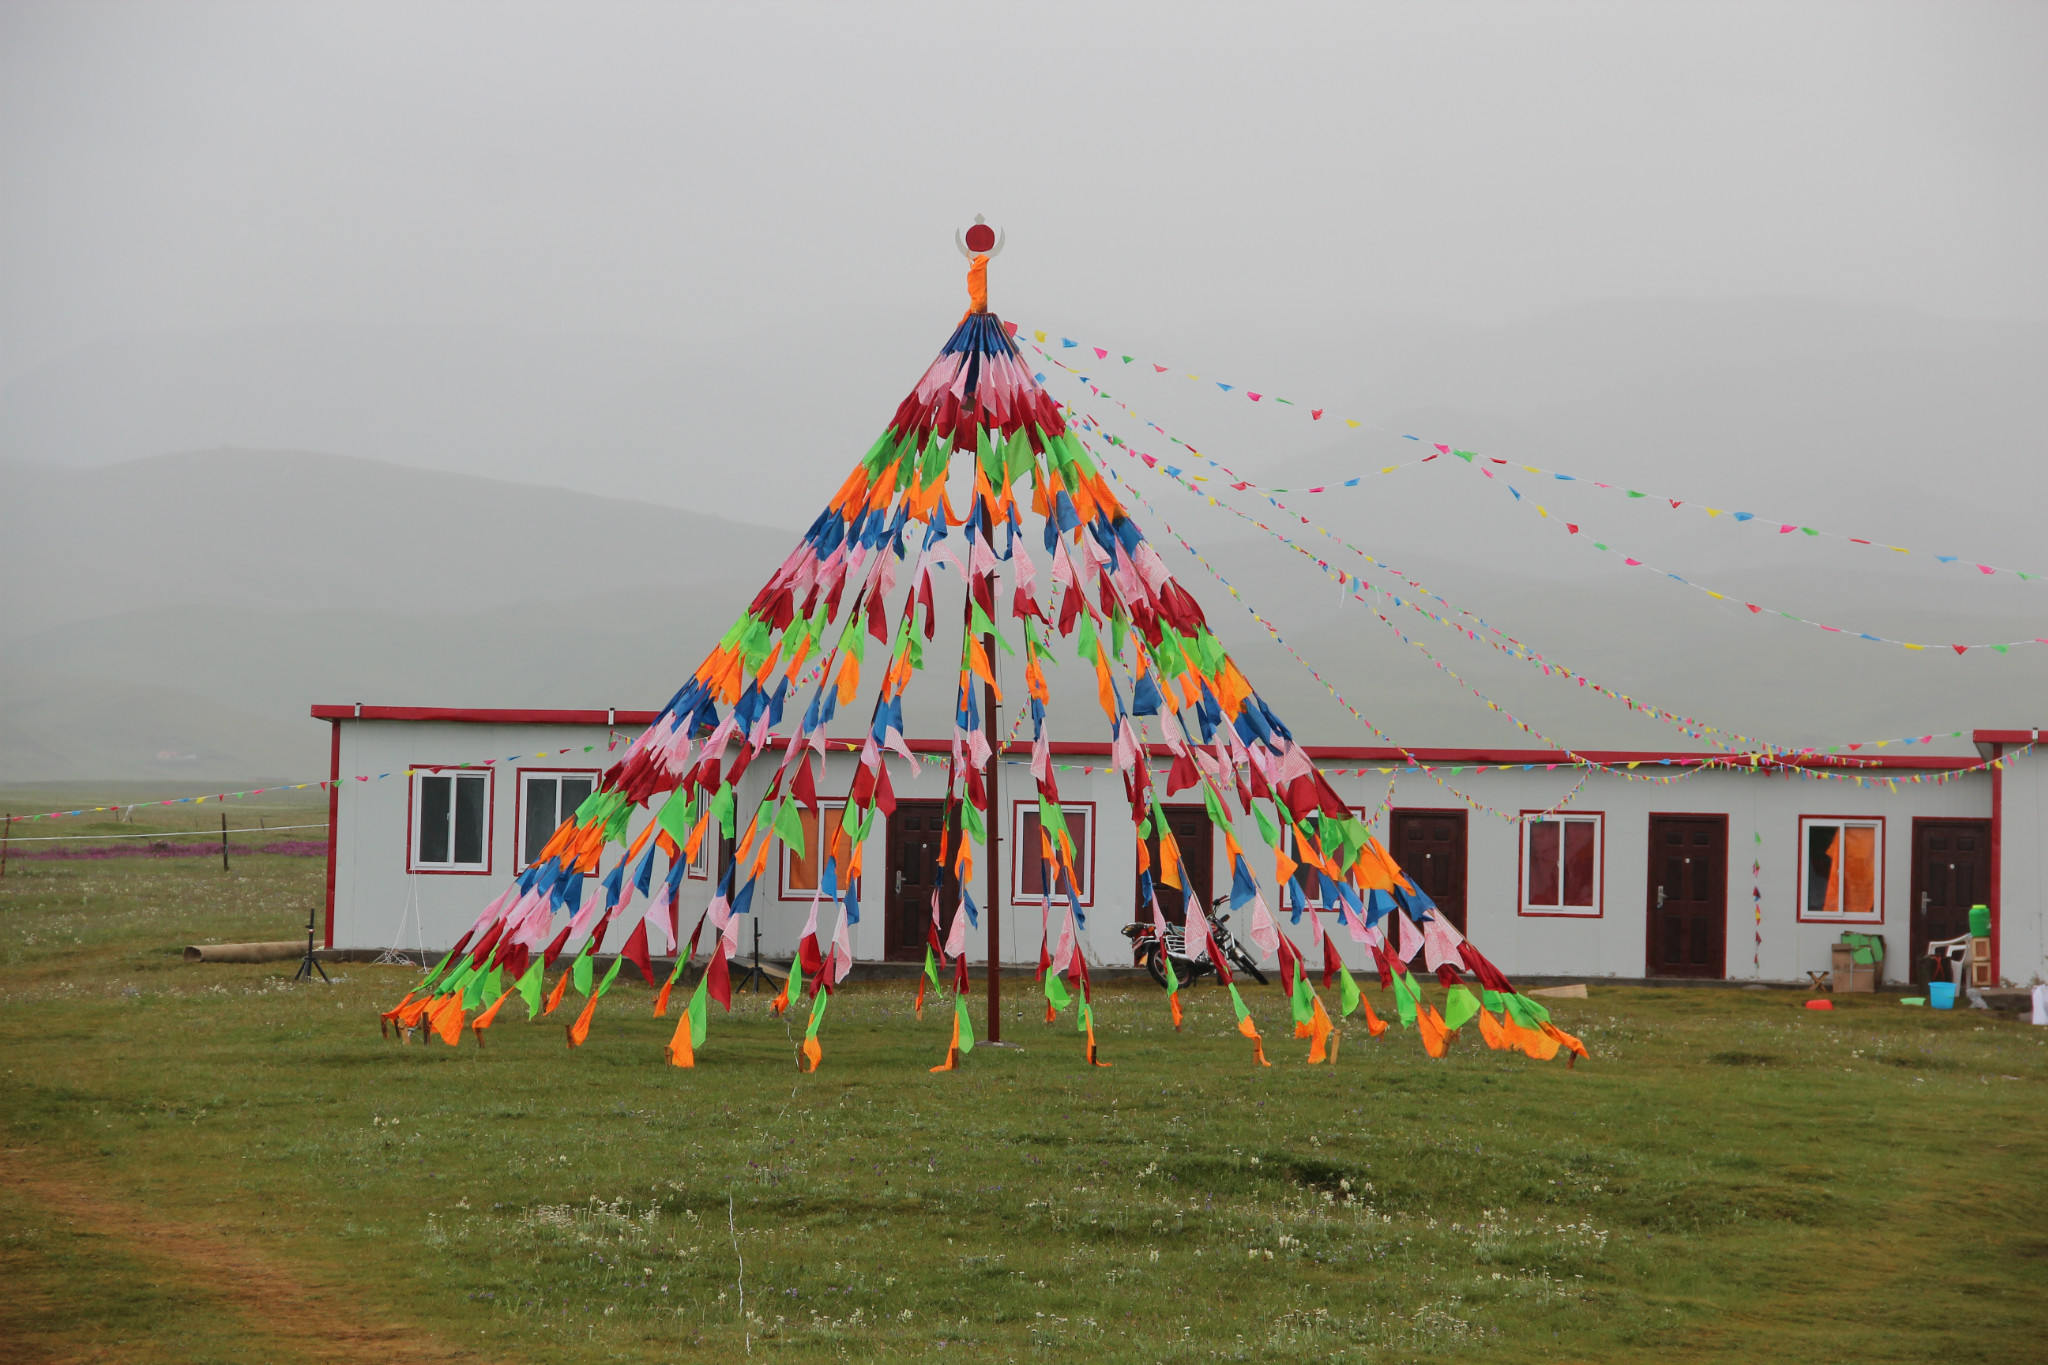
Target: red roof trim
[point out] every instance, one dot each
(1340, 755)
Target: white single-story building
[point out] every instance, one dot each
(1657, 869)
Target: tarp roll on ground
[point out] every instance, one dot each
(246, 952)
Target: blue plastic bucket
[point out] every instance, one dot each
(1941, 994)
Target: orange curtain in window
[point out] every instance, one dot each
(1859, 867)
(1852, 871)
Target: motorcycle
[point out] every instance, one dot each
(1145, 943)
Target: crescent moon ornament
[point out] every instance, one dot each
(978, 244)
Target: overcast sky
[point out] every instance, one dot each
(687, 171)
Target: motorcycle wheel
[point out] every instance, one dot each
(1155, 967)
(1250, 967)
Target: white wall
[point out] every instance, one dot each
(2023, 873)
(372, 886)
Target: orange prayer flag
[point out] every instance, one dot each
(1576, 1048)
(555, 995)
(580, 1030)
(1251, 1031)
(390, 1016)
(813, 1053)
(952, 1049)
(1373, 1023)
(1431, 1025)
(484, 1020)
(679, 1052)
(447, 1019)
(1490, 1031)
(1319, 1032)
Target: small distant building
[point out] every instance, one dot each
(1658, 869)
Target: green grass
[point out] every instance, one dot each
(1731, 1177)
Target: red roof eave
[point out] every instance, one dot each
(1323, 753)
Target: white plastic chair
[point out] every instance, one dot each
(1955, 952)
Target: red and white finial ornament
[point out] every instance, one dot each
(979, 240)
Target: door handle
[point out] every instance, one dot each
(1925, 897)
(1660, 898)
(899, 880)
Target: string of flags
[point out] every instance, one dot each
(1237, 482)
(1573, 529)
(1316, 414)
(1780, 761)
(1727, 740)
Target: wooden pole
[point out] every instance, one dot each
(224, 841)
(995, 859)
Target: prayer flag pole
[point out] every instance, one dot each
(995, 821)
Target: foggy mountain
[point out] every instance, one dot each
(194, 605)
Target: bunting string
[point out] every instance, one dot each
(1316, 414)
(1727, 740)
(1572, 530)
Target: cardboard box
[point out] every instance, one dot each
(1851, 975)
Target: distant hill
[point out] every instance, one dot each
(293, 530)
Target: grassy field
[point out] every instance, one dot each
(207, 1163)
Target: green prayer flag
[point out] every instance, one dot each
(1407, 995)
(789, 825)
(473, 989)
(1056, 991)
(1351, 996)
(1459, 1006)
(678, 814)
(1084, 1017)
(1303, 1000)
(817, 1013)
(1266, 830)
(1492, 1000)
(580, 973)
(700, 1012)
(531, 986)
(611, 975)
(1237, 1003)
(966, 1025)
(439, 967)
(931, 966)
(1172, 977)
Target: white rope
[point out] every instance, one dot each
(166, 834)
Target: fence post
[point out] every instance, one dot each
(224, 841)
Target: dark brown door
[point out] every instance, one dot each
(1429, 845)
(916, 830)
(1951, 873)
(1688, 906)
(1195, 836)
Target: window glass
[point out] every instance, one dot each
(1028, 859)
(436, 794)
(469, 818)
(1842, 858)
(1543, 879)
(541, 816)
(548, 799)
(1561, 864)
(802, 872)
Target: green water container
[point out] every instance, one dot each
(1980, 921)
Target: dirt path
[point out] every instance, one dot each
(285, 1317)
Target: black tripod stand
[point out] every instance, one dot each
(753, 976)
(310, 964)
